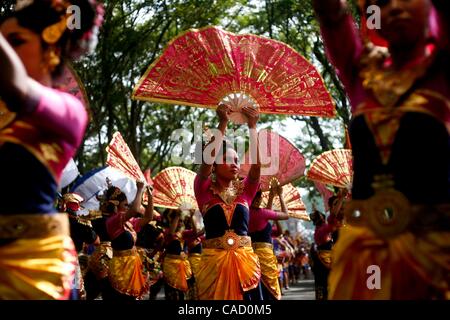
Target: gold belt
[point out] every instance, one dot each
(181, 256)
(229, 241)
(390, 213)
(34, 226)
(196, 254)
(125, 253)
(257, 245)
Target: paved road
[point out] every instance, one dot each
(303, 290)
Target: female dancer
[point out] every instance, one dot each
(398, 219)
(193, 239)
(176, 268)
(126, 270)
(229, 268)
(37, 256)
(260, 230)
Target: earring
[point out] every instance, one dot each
(53, 60)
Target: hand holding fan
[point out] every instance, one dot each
(205, 67)
(236, 102)
(292, 199)
(279, 158)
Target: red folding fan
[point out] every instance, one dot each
(174, 189)
(202, 68)
(325, 193)
(121, 158)
(334, 168)
(292, 199)
(279, 157)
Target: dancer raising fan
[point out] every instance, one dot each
(229, 269)
(261, 233)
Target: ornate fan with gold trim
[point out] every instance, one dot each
(292, 199)
(204, 67)
(279, 157)
(334, 167)
(174, 189)
(121, 158)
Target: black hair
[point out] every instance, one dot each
(113, 194)
(42, 13)
(331, 200)
(148, 236)
(317, 218)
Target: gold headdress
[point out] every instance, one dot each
(53, 33)
(72, 197)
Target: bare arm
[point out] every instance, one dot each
(337, 206)
(279, 228)
(270, 201)
(96, 242)
(15, 85)
(253, 116)
(222, 113)
(148, 213)
(135, 207)
(342, 41)
(194, 225)
(58, 114)
(283, 215)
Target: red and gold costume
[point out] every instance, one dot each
(229, 267)
(37, 255)
(126, 271)
(398, 219)
(176, 267)
(261, 233)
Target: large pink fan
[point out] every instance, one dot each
(325, 193)
(279, 158)
(203, 67)
(121, 158)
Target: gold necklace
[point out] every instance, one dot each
(230, 193)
